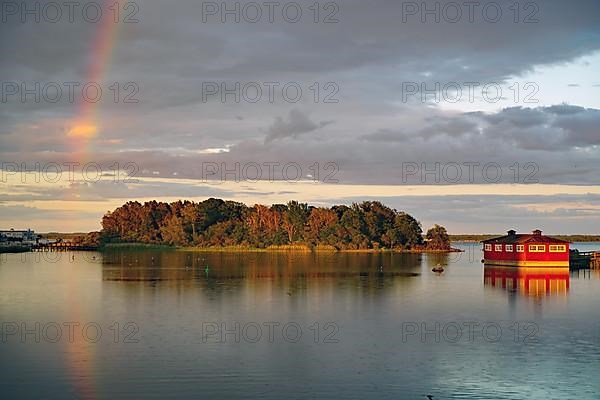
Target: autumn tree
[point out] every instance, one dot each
(172, 231)
(215, 222)
(321, 223)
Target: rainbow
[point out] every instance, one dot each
(85, 126)
(82, 131)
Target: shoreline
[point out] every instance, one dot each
(272, 249)
(568, 238)
(14, 249)
(134, 247)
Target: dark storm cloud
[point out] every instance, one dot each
(386, 135)
(297, 124)
(171, 41)
(107, 188)
(369, 53)
(518, 117)
(549, 128)
(470, 214)
(555, 128)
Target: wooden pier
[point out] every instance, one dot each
(63, 246)
(584, 259)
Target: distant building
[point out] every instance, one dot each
(20, 237)
(526, 250)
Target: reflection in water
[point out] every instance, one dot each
(79, 353)
(442, 259)
(586, 273)
(534, 282)
(280, 274)
(171, 295)
(189, 266)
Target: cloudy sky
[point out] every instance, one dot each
(481, 116)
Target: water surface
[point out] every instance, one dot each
(165, 324)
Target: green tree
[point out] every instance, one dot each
(437, 238)
(409, 230)
(295, 220)
(378, 221)
(355, 229)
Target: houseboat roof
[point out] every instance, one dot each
(534, 237)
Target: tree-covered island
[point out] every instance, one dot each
(216, 223)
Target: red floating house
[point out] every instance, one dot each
(526, 250)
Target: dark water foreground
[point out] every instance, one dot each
(145, 325)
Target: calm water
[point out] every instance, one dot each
(144, 325)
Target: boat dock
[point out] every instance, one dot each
(584, 259)
(62, 246)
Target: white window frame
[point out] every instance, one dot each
(520, 248)
(558, 248)
(487, 247)
(509, 247)
(537, 248)
(498, 247)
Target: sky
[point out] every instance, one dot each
(480, 116)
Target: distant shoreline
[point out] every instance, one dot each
(569, 238)
(276, 249)
(242, 249)
(453, 238)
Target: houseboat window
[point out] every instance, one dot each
(537, 248)
(498, 247)
(559, 248)
(509, 247)
(488, 247)
(520, 248)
